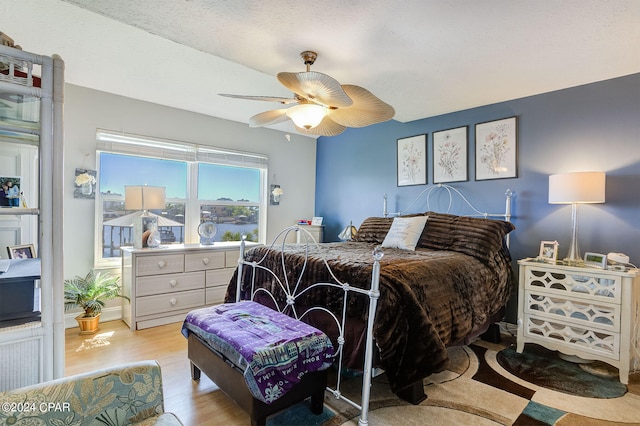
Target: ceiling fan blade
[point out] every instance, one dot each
(317, 87)
(327, 127)
(268, 118)
(367, 109)
(279, 99)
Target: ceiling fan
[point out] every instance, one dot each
(323, 106)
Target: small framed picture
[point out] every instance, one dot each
(24, 251)
(412, 160)
(316, 221)
(548, 251)
(10, 191)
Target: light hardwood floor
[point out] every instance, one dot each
(195, 403)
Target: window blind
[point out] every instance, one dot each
(121, 143)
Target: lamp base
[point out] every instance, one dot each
(142, 228)
(573, 262)
(573, 256)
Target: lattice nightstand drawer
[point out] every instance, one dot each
(589, 284)
(583, 313)
(571, 337)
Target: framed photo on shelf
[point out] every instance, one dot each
(450, 155)
(496, 148)
(548, 251)
(412, 160)
(10, 191)
(24, 251)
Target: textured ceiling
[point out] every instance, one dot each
(423, 57)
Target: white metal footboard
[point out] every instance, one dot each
(293, 292)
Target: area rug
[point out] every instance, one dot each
(474, 390)
(545, 368)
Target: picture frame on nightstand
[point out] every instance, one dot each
(548, 251)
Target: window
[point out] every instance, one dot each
(230, 197)
(202, 184)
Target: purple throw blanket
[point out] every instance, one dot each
(272, 349)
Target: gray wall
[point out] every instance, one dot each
(292, 163)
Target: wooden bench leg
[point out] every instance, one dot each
(317, 402)
(262, 421)
(195, 372)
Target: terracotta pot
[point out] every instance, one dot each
(88, 325)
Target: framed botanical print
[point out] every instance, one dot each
(412, 160)
(450, 155)
(496, 147)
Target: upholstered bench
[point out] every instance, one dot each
(123, 395)
(264, 360)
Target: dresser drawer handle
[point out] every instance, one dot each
(162, 264)
(173, 301)
(173, 283)
(205, 260)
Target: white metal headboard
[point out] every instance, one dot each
(451, 192)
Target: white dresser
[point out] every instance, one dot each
(166, 283)
(588, 312)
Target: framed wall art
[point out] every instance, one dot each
(412, 160)
(85, 184)
(450, 155)
(496, 147)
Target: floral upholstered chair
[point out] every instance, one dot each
(123, 395)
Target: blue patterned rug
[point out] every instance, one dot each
(544, 368)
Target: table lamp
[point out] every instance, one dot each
(348, 232)
(144, 198)
(576, 188)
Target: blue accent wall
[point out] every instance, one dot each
(594, 127)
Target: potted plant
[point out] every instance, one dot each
(90, 294)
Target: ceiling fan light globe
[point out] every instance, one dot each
(307, 116)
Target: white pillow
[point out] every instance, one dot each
(405, 232)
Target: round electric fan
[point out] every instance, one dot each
(207, 230)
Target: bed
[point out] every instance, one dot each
(443, 279)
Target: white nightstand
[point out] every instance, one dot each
(317, 232)
(588, 312)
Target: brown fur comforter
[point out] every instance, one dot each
(429, 299)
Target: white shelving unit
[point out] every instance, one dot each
(31, 143)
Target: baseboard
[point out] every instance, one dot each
(108, 314)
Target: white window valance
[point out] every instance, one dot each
(122, 143)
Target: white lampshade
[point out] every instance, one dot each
(144, 197)
(578, 187)
(307, 116)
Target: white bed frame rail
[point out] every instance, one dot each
(293, 291)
